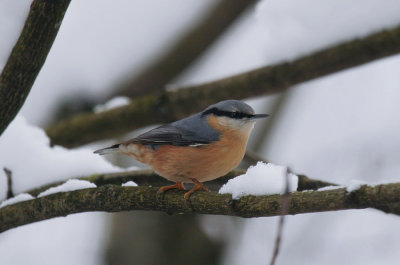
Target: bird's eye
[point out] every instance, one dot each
(236, 115)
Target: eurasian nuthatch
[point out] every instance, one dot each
(200, 148)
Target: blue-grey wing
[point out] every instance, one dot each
(192, 131)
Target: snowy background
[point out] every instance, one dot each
(337, 128)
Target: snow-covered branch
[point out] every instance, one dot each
(28, 56)
(113, 198)
(172, 105)
(147, 177)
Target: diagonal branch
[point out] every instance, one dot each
(151, 109)
(186, 50)
(170, 64)
(28, 56)
(112, 198)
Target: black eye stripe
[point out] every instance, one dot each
(234, 115)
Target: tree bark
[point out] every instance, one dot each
(147, 177)
(112, 198)
(28, 56)
(173, 105)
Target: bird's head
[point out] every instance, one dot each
(233, 114)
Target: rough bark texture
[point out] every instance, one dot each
(28, 56)
(176, 104)
(112, 198)
(186, 50)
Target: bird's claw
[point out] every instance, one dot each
(162, 190)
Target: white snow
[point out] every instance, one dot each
(355, 184)
(70, 185)
(77, 239)
(129, 184)
(330, 188)
(261, 179)
(19, 198)
(26, 151)
(112, 103)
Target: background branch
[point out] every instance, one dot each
(186, 50)
(169, 106)
(28, 56)
(112, 198)
(171, 63)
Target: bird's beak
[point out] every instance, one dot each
(259, 116)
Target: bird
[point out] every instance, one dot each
(196, 149)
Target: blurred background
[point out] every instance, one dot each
(337, 128)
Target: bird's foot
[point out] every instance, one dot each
(197, 186)
(178, 185)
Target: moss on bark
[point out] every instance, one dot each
(112, 198)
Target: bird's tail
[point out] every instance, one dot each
(107, 150)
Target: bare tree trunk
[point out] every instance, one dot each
(156, 238)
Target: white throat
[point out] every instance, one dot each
(243, 125)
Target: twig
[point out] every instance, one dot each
(284, 211)
(10, 193)
(28, 56)
(85, 128)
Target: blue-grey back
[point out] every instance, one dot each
(196, 128)
(193, 130)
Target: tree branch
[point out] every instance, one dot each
(28, 56)
(147, 177)
(186, 50)
(152, 109)
(112, 198)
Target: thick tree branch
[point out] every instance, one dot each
(176, 104)
(112, 198)
(147, 177)
(28, 56)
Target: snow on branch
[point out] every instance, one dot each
(176, 104)
(147, 177)
(113, 198)
(28, 56)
